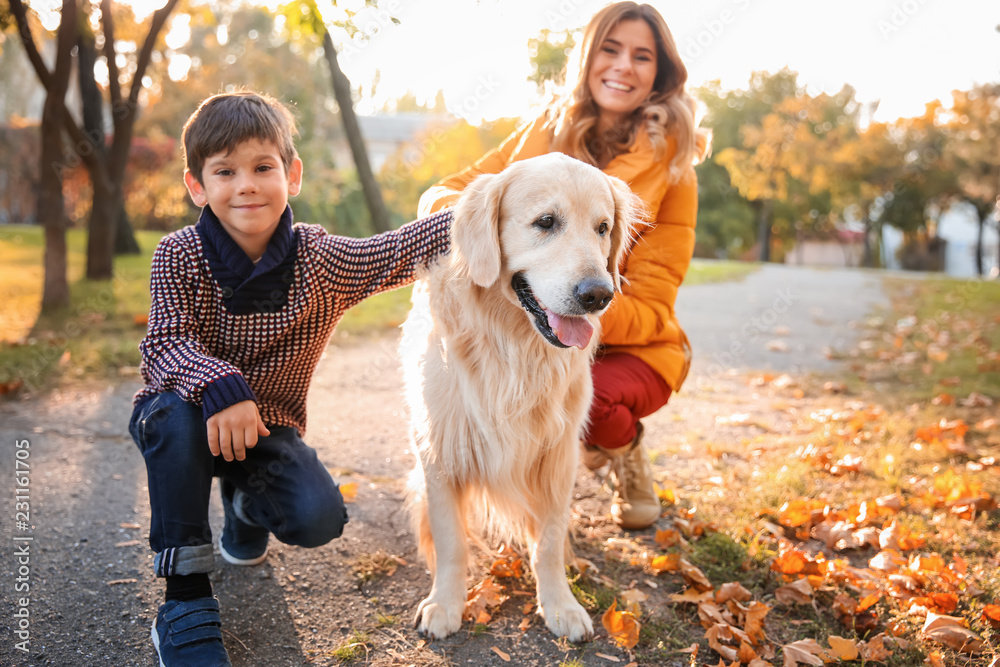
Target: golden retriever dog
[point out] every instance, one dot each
(497, 352)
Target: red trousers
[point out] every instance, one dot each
(626, 389)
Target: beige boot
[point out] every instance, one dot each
(634, 505)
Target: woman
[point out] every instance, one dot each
(627, 113)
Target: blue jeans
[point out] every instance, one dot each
(288, 490)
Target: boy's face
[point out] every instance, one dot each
(248, 190)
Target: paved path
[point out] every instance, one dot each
(802, 311)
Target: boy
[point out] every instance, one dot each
(243, 304)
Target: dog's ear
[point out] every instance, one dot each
(628, 212)
(475, 232)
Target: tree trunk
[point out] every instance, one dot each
(51, 163)
(100, 227)
(867, 257)
(342, 92)
(979, 245)
(125, 241)
(764, 229)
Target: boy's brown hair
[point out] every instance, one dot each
(223, 121)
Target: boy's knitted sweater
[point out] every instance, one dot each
(223, 329)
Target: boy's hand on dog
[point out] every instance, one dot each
(234, 430)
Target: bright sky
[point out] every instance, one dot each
(904, 53)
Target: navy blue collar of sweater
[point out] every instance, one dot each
(249, 288)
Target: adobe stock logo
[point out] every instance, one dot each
(899, 16)
(712, 30)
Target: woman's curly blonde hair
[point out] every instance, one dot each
(668, 112)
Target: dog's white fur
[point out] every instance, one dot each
(497, 411)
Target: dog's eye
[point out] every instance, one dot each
(545, 222)
(602, 229)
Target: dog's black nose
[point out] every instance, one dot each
(593, 294)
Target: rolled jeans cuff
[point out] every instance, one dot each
(184, 560)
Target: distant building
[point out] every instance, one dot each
(842, 247)
(385, 135)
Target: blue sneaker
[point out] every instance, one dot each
(190, 633)
(243, 542)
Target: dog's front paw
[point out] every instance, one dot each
(568, 619)
(437, 620)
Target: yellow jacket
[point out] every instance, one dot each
(641, 320)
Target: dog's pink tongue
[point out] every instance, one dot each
(571, 331)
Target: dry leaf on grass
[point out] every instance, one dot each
(951, 631)
(797, 592)
(692, 595)
(753, 622)
(622, 626)
(732, 591)
(633, 597)
(802, 652)
(719, 633)
(665, 563)
(991, 615)
(842, 648)
(695, 577)
(668, 538)
(874, 650)
(935, 659)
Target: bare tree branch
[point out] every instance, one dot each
(109, 53)
(19, 11)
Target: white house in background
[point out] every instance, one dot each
(959, 226)
(384, 135)
(844, 246)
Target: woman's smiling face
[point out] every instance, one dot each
(623, 70)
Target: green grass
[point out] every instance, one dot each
(718, 271)
(94, 337)
(957, 318)
(353, 648)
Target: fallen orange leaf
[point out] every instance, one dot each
(667, 496)
(483, 596)
(349, 491)
(667, 538)
(796, 513)
(789, 562)
(622, 627)
(843, 649)
(753, 624)
(503, 656)
(507, 567)
(991, 614)
(935, 659)
(869, 600)
(665, 563)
